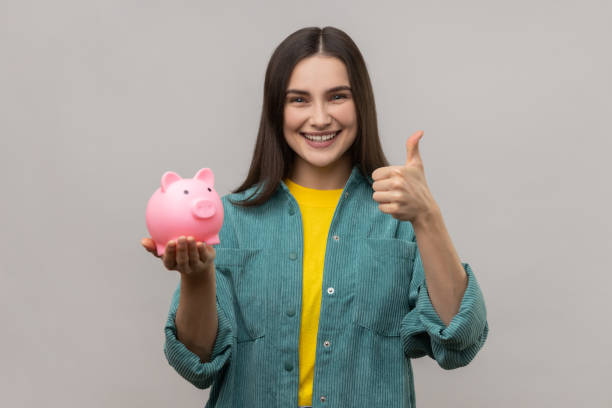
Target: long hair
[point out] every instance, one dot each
(273, 157)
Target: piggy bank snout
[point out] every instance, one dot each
(202, 208)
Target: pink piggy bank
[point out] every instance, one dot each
(185, 207)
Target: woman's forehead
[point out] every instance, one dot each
(319, 74)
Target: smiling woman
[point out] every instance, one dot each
(318, 258)
(321, 123)
(316, 83)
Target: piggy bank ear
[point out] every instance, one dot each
(167, 179)
(206, 175)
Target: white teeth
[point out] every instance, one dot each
(320, 138)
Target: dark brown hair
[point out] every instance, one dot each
(273, 157)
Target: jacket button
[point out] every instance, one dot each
(288, 366)
(291, 312)
(293, 256)
(291, 211)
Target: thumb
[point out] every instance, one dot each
(412, 147)
(149, 245)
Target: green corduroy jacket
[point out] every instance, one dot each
(375, 314)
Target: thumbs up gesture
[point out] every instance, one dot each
(402, 191)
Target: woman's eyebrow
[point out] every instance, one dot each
(335, 89)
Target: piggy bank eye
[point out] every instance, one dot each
(209, 189)
(186, 192)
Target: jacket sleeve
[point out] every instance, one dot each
(423, 332)
(185, 362)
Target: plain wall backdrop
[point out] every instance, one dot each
(99, 98)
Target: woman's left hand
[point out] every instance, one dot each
(402, 191)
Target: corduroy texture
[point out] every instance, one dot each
(375, 310)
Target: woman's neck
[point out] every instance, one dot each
(331, 177)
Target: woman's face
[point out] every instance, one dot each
(314, 103)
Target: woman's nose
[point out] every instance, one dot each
(320, 115)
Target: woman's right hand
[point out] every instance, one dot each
(193, 260)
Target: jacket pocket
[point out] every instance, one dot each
(245, 273)
(383, 281)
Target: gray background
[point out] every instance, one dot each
(98, 99)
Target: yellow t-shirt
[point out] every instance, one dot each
(317, 208)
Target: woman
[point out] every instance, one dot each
(318, 294)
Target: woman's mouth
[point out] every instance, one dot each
(320, 141)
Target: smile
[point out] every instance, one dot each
(321, 138)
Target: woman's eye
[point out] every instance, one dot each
(299, 99)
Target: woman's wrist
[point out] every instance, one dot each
(197, 282)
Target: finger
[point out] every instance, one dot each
(194, 257)
(385, 196)
(149, 245)
(202, 251)
(387, 184)
(388, 208)
(412, 147)
(182, 258)
(169, 256)
(382, 173)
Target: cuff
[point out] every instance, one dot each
(467, 326)
(187, 363)
(452, 346)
